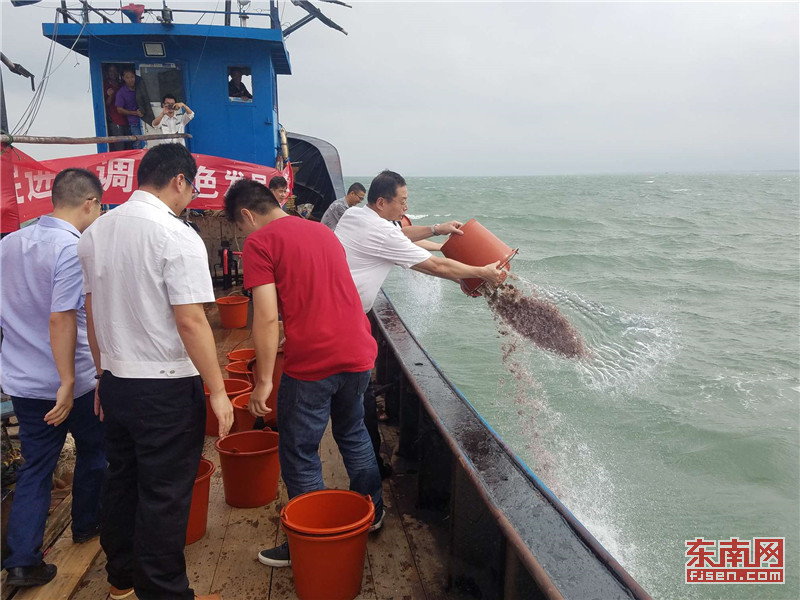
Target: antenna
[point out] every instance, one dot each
(313, 13)
(243, 6)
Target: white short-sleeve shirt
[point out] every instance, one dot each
(373, 245)
(139, 260)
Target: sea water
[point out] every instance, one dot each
(684, 421)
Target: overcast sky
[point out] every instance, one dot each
(502, 88)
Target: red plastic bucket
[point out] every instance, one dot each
(328, 512)
(198, 513)
(250, 467)
(241, 414)
(241, 354)
(272, 402)
(477, 247)
(239, 370)
(327, 566)
(233, 387)
(233, 311)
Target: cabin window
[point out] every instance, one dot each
(240, 84)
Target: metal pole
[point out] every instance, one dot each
(227, 13)
(31, 139)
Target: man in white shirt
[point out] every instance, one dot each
(170, 120)
(335, 211)
(374, 245)
(146, 278)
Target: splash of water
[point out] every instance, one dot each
(625, 350)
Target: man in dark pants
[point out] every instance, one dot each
(298, 268)
(48, 371)
(146, 278)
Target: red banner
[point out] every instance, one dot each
(26, 183)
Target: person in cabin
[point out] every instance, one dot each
(127, 106)
(237, 89)
(297, 268)
(116, 122)
(48, 370)
(280, 188)
(146, 279)
(170, 120)
(355, 194)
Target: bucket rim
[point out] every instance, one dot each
(328, 531)
(233, 367)
(248, 388)
(242, 395)
(335, 537)
(232, 300)
(209, 473)
(232, 352)
(227, 452)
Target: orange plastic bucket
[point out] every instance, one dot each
(328, 512)
(327, 566)
(239, 370)
(250, 467)
(477, 247)
(241, 414)
(233, 311)
(198, 513)
(241, 354)
(233, 387)
(272, 402)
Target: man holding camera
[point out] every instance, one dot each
(170, 121)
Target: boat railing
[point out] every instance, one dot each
(82, 14)
(510, 536)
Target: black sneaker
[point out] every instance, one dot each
(81, 538)
(378, 522)
(276, 557)
(31, 576)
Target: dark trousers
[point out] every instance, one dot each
(114, 129)
(41, 447)
(154, 439)
(371, 421)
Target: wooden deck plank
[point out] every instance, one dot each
(202, 557)
(73, 561)
(425, 546)
(238, 574)
(94, 585)
(57, 521)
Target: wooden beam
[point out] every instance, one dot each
(110, 139)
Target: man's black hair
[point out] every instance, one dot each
(163, 162)
(385, 185)
(278, 182)
(249, 194)
(164, 99)
(127, 70)
(72, 187)
(357, 187)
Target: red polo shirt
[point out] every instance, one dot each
(326, 329)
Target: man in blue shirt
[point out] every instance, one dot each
(49, 372)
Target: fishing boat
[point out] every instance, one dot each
(466, 518)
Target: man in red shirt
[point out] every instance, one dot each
(298, 269)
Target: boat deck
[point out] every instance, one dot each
(404, 558)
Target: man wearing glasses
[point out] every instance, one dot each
(146, 278)
(172, 121)
(48, 371)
